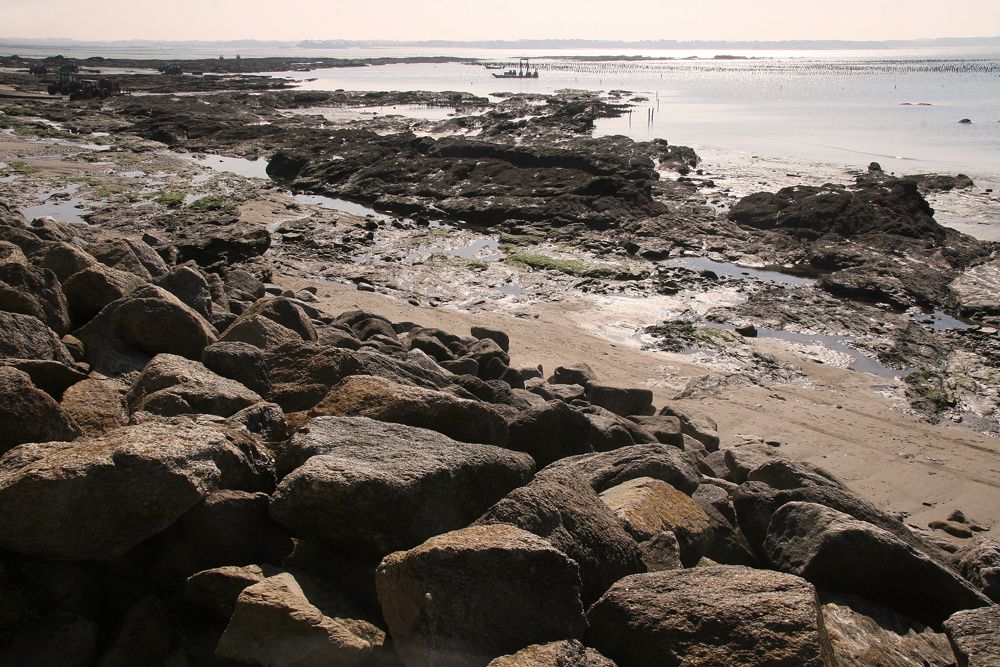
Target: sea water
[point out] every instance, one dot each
(899, 108)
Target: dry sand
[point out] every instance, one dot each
(837, 419)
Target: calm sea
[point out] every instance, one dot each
(899, 107)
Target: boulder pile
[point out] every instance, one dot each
(199, 468)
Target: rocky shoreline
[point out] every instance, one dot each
(201, 467)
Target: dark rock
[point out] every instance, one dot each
(243, 286)
(433, 596)
(227, 528)
(191, 287)
(842, 554)
(28, 414)
(96, 498)
(266, 420)
(666, 430)
(52, 377)
(36, 292)
(63, 259)
(550, 432)
(384, 400)
(464, 366)
(748, 331)
(143, 637)
(26, 337)
(92, 288)
(698, 426)
(620, 400)
(129, 255)
(662, 552)
(580, 374)
(374, 487)
(564, 509)
(497, 336)
(259, 331)
(238, 361)
(62, 639)
(97, 405)
(212, 245)
(147, 322)
(755, 503)
(216, 590)
(719, 615)
(974, 637)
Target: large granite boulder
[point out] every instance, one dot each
(862, 634)
(718, 615)
(466, 597)
(979, 562)
(975, 637)
(96, 498)
(607, 469)
(28, 414)
(551, 431)
(373, 488)
(385, 400)
(171, 385)
(30, 291)
(842, 554)
(647, 507)
(293, 619)
(147, 322)
(567, 653)
(93, 287)
(27, 337)
(564, 509)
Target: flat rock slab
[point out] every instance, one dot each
(718, 615)
(96, 498)
(466, 597)
(377, 488)
(975, 636)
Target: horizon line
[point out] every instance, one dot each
(497, 42)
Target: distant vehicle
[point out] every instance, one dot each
(173, 69)
(523, 71)
(493, 66)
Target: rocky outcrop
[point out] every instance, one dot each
(475, 181)
(716, 615)
(515, 589)
(863, 239)
(607, 469)
(979, 562)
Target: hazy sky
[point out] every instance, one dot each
(495, 19)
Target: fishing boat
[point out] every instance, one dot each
(523, 71)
